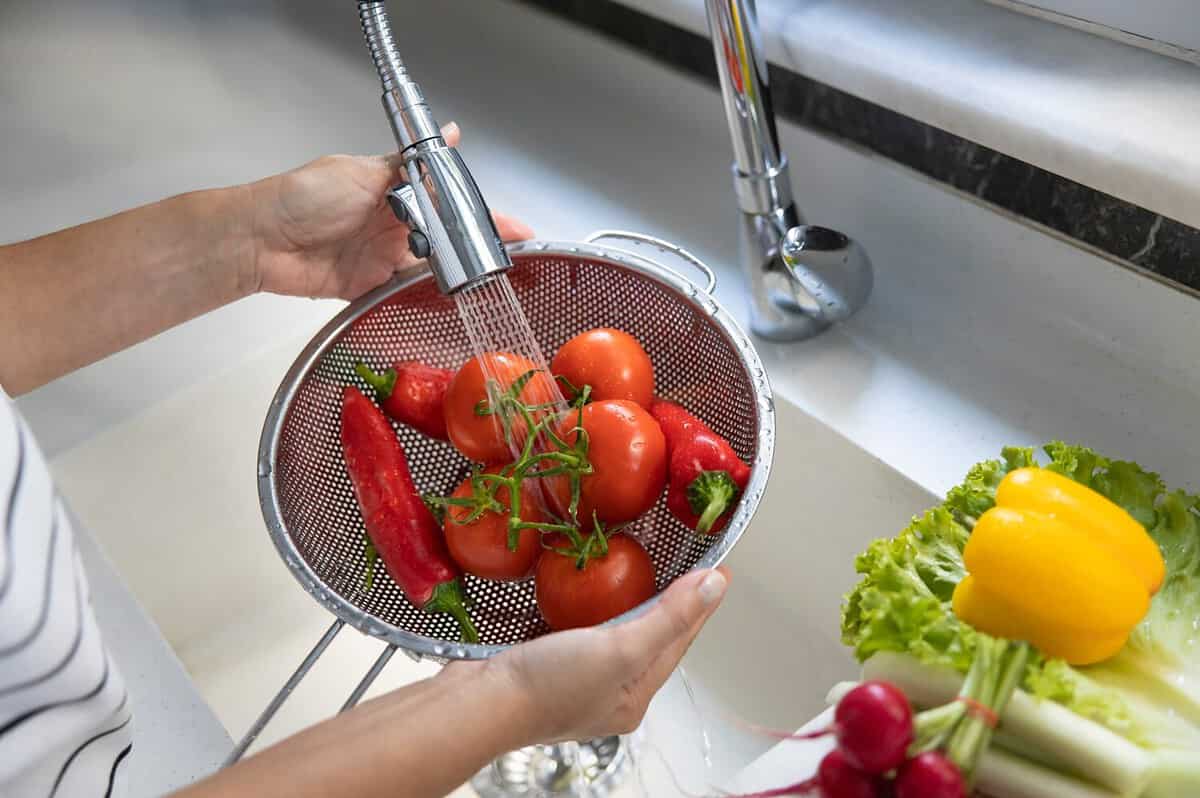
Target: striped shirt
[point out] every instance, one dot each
(65, 722)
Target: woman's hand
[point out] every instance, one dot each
(587, 683)
(326, 230)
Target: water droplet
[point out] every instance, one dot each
(264, 469)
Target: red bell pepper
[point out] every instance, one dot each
(412, 393)
(705, 475)
(401, 527)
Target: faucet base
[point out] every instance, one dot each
(803, 278)
(793, 329)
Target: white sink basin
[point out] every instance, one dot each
(772, 651)
(210, 578)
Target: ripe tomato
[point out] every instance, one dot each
(481, 547)
(611, 361)
(481, 438)
(606, 586)
(628, 454)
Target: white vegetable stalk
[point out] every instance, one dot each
(1174, 775)
(1004, 775)
(1079, 745)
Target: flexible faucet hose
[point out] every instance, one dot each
(378, 32)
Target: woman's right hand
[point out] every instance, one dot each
(586, 683)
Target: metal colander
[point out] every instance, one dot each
(702, 359)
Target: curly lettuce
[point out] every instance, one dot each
(1149, 693)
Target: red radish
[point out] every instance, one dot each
(839, 778)
(836, 778)
(873, 724)
(929, 775)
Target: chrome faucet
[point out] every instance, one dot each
(803, 278)
(448, 217)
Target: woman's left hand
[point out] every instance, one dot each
(326, 230)
(597, 681)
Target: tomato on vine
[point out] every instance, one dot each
(574, 591)
(627, 454)
(479, 535)
(612, 362)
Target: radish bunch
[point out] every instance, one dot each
(873, 725)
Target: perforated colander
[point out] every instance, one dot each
(702, 359)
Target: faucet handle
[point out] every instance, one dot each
(832, 268)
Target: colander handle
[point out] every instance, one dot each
(709, 277)
(289, 686)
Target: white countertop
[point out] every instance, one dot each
(1103, 113)
(176, 735)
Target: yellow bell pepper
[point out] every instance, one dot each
(1058, 565)
(1046, 492)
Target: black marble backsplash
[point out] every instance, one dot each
(1164, 247)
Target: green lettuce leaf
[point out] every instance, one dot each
(1149, 693)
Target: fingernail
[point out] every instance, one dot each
(449, 127)
(713, 587)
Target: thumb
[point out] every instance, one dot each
(681, 610)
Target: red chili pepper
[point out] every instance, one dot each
(401, 527)
(412, 393)
(705, 475)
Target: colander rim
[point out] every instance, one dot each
(419, 646)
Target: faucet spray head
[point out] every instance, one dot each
(450, 221)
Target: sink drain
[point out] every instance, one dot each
(592, 770)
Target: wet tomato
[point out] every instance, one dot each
(570, 597)
(481, 437)
(481, 547)
(611, 361)
(628, 454)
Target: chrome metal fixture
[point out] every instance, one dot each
(451, 224)
(803, 278)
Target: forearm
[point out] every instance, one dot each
(419, 742)
(73, 297)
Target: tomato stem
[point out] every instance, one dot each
(569, 460)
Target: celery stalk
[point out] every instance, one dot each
(1004, 775)
(1175, 773)
(1082, 746)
